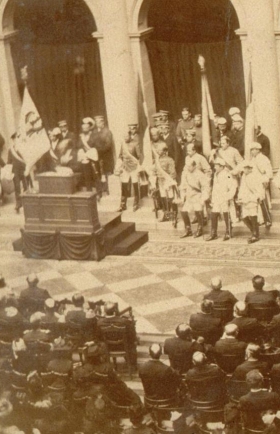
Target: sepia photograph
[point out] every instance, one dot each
(139, 216)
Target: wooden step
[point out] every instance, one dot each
(117, 234)
(130, 244)
(109, 220)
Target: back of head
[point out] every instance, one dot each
(183, 331)
(240, 308)
(110, 308)
(258, 282)
(254, 379)
(253, 351)
(49, 305)
(78, 300)
(199, 358)
(32, 280)
(231, 330)
(216, 282)
(35, 320)
(207, 306)
(155, 351)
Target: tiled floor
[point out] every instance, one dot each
(162, 295)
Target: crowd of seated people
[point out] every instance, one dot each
(223, 373)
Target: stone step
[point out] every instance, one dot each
(118, 233)
(130, 243)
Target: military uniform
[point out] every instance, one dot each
(182, 127)
(201, 163)
(195, 187)
(90, 169)
(231, 156)
(224, 189)
(129, 165)
(251, 192)
(237, 140)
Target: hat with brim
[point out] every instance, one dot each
(88, 121)
(255, 145)
(62, 123)
(234, 111)
(222, 121)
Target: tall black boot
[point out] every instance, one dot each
(175, 214)
(124, 197)
(255, 230)
(214, 226)
(136, 196)
(187, 223)
(165, 216)
(88, 176)
(199, 230)
(228, 234)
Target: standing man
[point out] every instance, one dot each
(196, 191)
(129, 165)
(184, 124)
(230, 155)
(66, 134)
(224, 189)
(163, 176)
(198, 130)
(104, 144)
(87, 154)
(238, 133)
(165, 118)
(201, 162)
(174, 148)
(262, 168)
(251, 192)
(223, 129)
(263, 140)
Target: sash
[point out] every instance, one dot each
(223, 158)
(133, 160)
(160, 170)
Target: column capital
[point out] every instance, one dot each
(142, 35)
(9, 35)
(243, 34)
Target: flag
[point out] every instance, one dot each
(250, 116)
(208, 127)
(32, 141)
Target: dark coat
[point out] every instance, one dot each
(180, 353)
(33, 300)
(159, 381)
(263, 140)
(263, 297)
(221, 297)
(104, 143)
(242, 370)
(250, 330)
(230, 347)
(237, 140)
(254, 403)
(207, 326)
(175, 151)
(121, 321)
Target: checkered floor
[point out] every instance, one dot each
(162, 294)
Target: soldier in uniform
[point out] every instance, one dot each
(251, 192)
(163, 175)
(224, 189)
(233, 111)
(262, 167)
(156, 139)
(87, 154)
(195, 187)
(184, 124)
(201, 162)
(128, 168)
(230, 155)
(238, 133)
(198, 129)
(104, 144)
(66, 134)
(190, 138)
(222, 129)
(165, 118)
(61, 149)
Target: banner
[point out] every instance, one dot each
(250, 116)
(32, 140)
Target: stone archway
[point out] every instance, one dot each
(9, 92)
(140, 31)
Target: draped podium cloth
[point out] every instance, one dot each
(59, 245)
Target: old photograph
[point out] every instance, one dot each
(139, 216)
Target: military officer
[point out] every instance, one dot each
(262, 167)
(184, 124)
(232, 112)
(230, 155)
(156, 139)
(66, 134)
(128, 168)
(174, 148)
(61, 149)
(196, 191)
(198, 129)
(251, 192)
(224, 189)
(201, 162)
(87, 154)
(163, 175)
(165, 118)
(238, 133)
(190, 138)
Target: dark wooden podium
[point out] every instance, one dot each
(60, 222)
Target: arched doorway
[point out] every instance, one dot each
(64, 71)
(183, 29)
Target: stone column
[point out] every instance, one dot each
(243, 36)
(265, 74)
(117, 69)
(143, 69)
(10, 102)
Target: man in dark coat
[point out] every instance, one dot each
(104, 144)
(218, 295)
(181, 348)
(238, 134)
(252, 361)
(32, 299)
(229, 344)
(249, 329)
(257, 401)
(174, 148)
(261, 297)
(111, 318)
(205, 324)
(66, 134)
(263, 140)
(159, 381)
